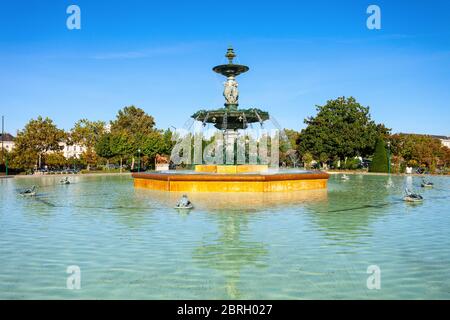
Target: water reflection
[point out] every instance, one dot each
(256, 202)
(231, 250)
(348, 213)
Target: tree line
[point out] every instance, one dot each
(343, 129)
(339, 134)
(133, 130)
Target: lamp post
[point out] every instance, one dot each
(389, 157)
(3, 151)
(139, 160)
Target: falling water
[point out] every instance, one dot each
(284, 139)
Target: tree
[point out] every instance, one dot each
(342, 128)
(131, 128)
(380, 158)
(323, 159)
(103, 147)
(87, 133)
(153, 144)
(168, 142)
(39, 137)
(89, 157)
(419, 150)
(55, 159)
(307, 159)
(288, 147)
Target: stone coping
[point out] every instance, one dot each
(231, 177)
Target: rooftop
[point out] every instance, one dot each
(430, 135)
(6, 137)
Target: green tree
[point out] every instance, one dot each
(168, 143)
(153, 144)
(289, 147)
(103, 147)
(131, 128)
(342, 128)
(121, 147)
(55, 159)
(87, 133)
(39, 137)
(307, 159)
(323, 158)
(380, 158)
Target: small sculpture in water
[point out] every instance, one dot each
(29, 192)
(426, 184)
(184, 203)
(412, 197)
(64, 181)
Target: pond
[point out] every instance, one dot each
(131, 244)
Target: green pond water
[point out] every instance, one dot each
(131, 244)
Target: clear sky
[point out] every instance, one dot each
(158, 56)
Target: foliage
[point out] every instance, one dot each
(420, 150)
(39, 137)
(380, 158)
(323, 158)
(87, 133)
(307, 159)
(133, 122)
(103, 147)
(130, 132)
(89, 158)
(342, 128)
(55, 160)
(289, 149)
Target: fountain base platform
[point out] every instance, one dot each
(226, 182)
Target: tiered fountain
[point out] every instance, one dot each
(235, 176)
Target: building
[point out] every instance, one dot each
(69, 151)
(8, 141)
(72, 151)
(444, 140)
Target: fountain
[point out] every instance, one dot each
(260, 174)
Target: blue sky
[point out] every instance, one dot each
(158, 56)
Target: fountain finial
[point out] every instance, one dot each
(230, 55)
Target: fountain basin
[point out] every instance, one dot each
(243, 182)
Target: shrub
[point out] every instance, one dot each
(380, 159)
(352, 164)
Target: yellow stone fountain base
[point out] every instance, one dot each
(214, 182)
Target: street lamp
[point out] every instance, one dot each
(139, 160)
(389, 157)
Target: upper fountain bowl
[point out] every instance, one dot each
(231, 69)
